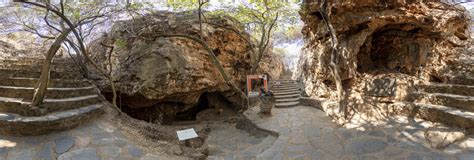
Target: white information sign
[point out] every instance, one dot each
(186, 134)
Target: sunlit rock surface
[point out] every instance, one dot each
(19, 45)
(151, 71)
(426, 40)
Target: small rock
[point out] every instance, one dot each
(198, 156)
(441, 137)
(80, 154)
(63, 144)
(468, 144)
(177, 150)
(196, 142)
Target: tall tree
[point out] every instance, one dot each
(260, 19)
(70, 19)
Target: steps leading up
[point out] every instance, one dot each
(35, 73)
(70, 100)
(31, 82)
(27, 92)
(55, 121)
(439, 113)
(452, 104)
(447, 88)
(286, 93)
(452, 100)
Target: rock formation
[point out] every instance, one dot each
(171, 75)
(400, 38)
(21, 45)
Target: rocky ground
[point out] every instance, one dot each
(292, 133)
(307, 133)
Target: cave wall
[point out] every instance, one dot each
(414, 38)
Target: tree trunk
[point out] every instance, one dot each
(333, 64)
(42, 85)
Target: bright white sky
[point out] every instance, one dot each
(469, 5)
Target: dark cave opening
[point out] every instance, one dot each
(168, 113)
(190, 114)
(391, 50)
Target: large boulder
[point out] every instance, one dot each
(426, 40)
(151, 70)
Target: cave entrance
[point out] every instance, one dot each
(190, 114)
(210, 106)
(391, 50)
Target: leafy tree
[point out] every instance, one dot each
(64, 19)
(260, 18)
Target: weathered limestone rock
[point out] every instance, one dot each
(423, 40)
(152, 71)
(441, 137)
(19, 45)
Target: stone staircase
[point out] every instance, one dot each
(286, 92)
(452, 104)
(70, 100)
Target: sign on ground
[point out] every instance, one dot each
(186, 134)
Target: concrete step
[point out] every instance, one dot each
(466, 90)
(35, 61)
(286, 104)
(283, 83)
(36, 74)
(34, 67)
(452, 100)
(287, 90)
(31, 82)
(23, 107)
(51, 93)
(287, 100)
(464, 80)
(439, 113)
(286, 96)
(285, 93)
(14, 124)
(284, 86)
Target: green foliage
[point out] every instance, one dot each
(260, 14)
(186, 6)
(120, 43)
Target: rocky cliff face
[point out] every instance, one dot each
(23, 45)
(170, 75)
(273, 65)
(396, 38)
